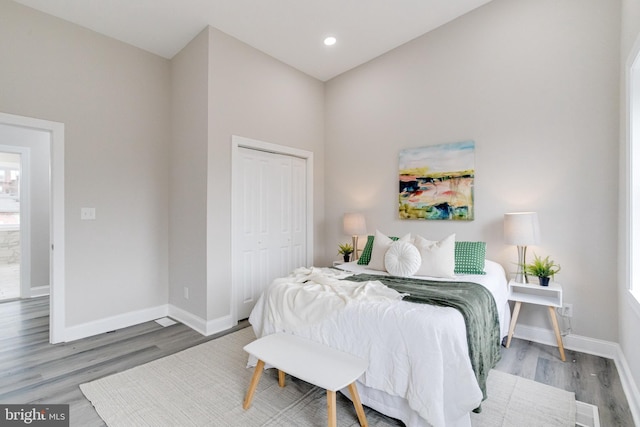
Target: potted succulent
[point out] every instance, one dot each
(543, 268)
(345, 249)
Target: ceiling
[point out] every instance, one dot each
(289, 30)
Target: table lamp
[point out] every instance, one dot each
(354, 225)
(521, 229)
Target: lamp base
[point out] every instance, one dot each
(521, 275)
(354, 255)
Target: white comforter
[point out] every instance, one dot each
(309, 295)
(416, 352)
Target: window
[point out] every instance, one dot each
(633, 85)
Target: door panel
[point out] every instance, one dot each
(273, 216)
(299, 211)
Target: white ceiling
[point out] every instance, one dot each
(289, 30)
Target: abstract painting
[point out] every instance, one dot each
(436, 182)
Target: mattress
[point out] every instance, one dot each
(419, 369)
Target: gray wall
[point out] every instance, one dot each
(535, 84)
(142, 146)
(188, 176)
(114, 101)
(255, 96)
(223, 87)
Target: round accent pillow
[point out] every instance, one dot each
(402, 259)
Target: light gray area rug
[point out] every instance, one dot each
(516, 401)
(205, 386)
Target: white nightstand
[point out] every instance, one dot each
(550, 296)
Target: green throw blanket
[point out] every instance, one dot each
(473, 301)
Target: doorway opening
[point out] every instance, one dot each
(52, 245)
(10, 242)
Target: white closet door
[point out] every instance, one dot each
(273, 224)
(298, 212)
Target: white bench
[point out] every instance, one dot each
(312, 362)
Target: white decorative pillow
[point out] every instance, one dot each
(402, 259)
(438, 258)
(381, 244)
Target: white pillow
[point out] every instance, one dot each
(402, 259)
(381, 244)
(438, 258)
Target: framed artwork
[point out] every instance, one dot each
(436, 182)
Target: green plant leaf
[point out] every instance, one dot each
(541, 267)
(345, 249)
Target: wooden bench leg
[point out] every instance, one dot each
(355, 397)
(331, 408)
(257, 373)
(280, 378)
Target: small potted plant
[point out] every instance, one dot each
(543, 268)
(345, 249)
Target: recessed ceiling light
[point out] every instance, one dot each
(330, 41)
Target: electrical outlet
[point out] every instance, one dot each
(567, 310)
(186, 293)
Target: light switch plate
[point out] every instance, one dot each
(87, 213)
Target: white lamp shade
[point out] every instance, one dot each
(521, 228)
(354, 224)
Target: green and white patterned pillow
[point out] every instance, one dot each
(365, 256)
(470, 257)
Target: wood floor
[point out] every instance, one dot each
(593, 379)
(34, 371)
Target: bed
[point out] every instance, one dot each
(420, 369)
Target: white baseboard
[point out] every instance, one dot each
(38, 291)
(198, 324)
(146, 315)
(112, 323)
(572, 342)
(593, 346)
(220, 324)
